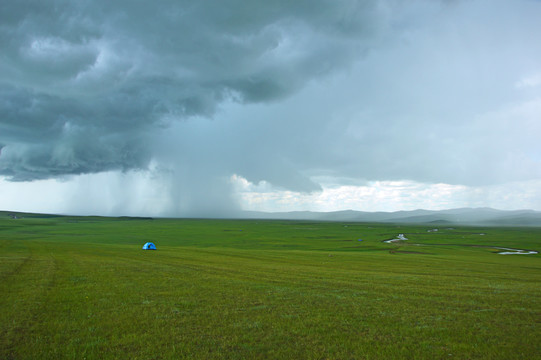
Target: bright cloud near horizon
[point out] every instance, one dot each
(205, 108)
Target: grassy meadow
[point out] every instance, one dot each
(82, 288)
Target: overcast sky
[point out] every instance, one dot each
(204, 108)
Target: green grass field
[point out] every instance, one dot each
(81, 287)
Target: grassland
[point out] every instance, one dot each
(74, 288)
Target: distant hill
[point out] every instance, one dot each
(25, 215)
(464, 216)
(20, 215)
(473, 216)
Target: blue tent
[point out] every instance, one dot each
(149, 246)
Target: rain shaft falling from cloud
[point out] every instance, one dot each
(84, 83)
(193, 92)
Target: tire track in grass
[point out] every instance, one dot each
(26, 290)
(8, 276)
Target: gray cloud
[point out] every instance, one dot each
(84, 83)
(431, 91)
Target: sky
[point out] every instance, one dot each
(206, 108)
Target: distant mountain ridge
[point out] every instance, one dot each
(463, 216)
(473, 216)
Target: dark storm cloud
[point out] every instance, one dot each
(84, 83)
(285, 94)
(448, 95)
